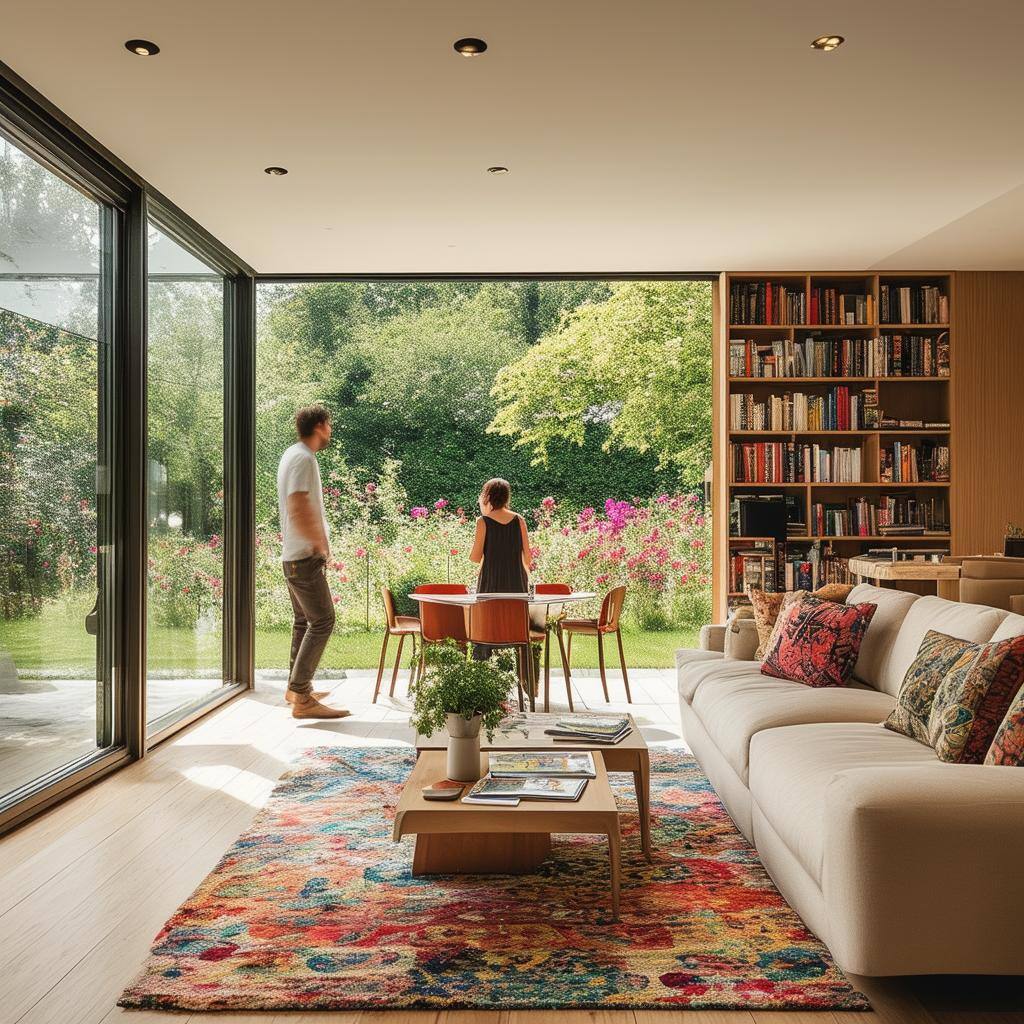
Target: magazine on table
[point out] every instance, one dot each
(592, 730)
(489, 789)
(524, 765)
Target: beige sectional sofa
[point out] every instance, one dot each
(901, 863)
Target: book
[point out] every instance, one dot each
(594, 724)
(524, 765)
(538, 788)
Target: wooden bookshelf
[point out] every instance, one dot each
(899, 396)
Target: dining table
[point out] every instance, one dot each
(540, 606)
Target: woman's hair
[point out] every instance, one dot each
(496, 492)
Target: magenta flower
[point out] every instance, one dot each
(360, 552)
(548, 502)
(440, 504)
(696, 543)
(603, 578)
(662, 499)
(418, 512)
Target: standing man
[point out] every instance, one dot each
(304, 553)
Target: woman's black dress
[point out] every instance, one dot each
(502, 571)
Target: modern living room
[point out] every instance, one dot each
(709, 710)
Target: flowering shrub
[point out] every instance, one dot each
(185, 579)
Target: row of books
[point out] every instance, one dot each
(837, 409)
(833, 306)
(753, 568)
(794, 462)
(763, 302)
(907, 462)
(816, 570)
(913, 304)
(897, 515)
(890, 355)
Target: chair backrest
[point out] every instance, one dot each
(501, 621)
(553, 610)
(388, 600)
(611, 608)
(442, 621)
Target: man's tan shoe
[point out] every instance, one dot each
(291, 695)
(312, 708)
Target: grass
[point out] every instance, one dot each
(56, 641)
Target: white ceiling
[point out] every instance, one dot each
(679, 135)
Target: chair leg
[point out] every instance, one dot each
(519, 676)
(547, 670)
(380, 665)
(528, 654)
(569, 651)
(398, 664)
(622, 661)
(600, 662)
(565, 667)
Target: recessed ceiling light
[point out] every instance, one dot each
(142, 47)
(470, 47)
(827, 43)
(275, 171)
(497, 170)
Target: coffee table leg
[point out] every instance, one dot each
(614, 857)
(642, 785)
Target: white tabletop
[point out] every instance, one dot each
(471, 599)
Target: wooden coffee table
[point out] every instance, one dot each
(457, 838)
(526, 732)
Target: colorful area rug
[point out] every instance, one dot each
(315, 907)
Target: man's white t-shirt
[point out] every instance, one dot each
(298, 471)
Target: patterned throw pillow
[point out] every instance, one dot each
(971, 702)
(818, 642)
(1008, 746)
(937, 655)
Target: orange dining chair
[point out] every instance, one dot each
(606, 622)
(553, 588)
(400, 626)
(506, 623)
(439, 622)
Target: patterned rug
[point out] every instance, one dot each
(315, 907)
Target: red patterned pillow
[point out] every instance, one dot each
(818, 642)
(1008, 746)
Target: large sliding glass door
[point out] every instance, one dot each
(57, 705)
(186, 549)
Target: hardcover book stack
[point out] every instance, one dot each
(764, 302)
(913, 304)
(515, 776)
(795, 462)
(836, 409)
(834, 306)
(906, 462)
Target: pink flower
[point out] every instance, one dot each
(46, 565)
(335, 599)
(407, 549)
(214, 541)
(603, 578)
(214, 582)
(684, 579)
(182, 551)
(338, 566)
(378, 539)
(84, 503)
(662, 499)
(440, 503)
(185, 590)
(92, 549)
(548, 502)
(534, 552)
(676, 564)
(371, 488)
(343, 579)
(696, 543)
(698, 521)
(360, 552)
(418, 512)
(454, 551)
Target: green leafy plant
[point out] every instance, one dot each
(453, 685)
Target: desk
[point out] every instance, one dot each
(945, 575)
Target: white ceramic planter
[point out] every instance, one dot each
(464, 748)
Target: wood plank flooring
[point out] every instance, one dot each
(85, 888)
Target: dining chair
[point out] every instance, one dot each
(440, 622)
(553, 588)
(400, 626)
(506, 623)
(607, 622)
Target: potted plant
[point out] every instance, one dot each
(462, 696)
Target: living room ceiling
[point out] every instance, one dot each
(650, 136)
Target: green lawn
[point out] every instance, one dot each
(56, 641)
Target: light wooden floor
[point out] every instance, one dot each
(84, 889)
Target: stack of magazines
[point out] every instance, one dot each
(590, 729)
(518, 775)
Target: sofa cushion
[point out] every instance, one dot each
(791, 767)
(693, 673)
(1008, 745)
(973, 622)
(818, 642)
(1011, 626)
(891, 607)
(735, 709)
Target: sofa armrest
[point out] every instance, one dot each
(921, 869)
(712, 638)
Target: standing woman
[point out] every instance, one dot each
(502, 543)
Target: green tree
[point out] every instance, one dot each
(637, 365)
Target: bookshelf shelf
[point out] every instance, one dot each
(905, 396)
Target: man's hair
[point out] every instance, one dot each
(496, 492)
(310, 417)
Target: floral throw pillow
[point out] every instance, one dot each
(1008, 745)
(818, 642)
(937, 656)
(973, 699)
(766, 607)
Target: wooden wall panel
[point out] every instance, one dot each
(988, 409)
